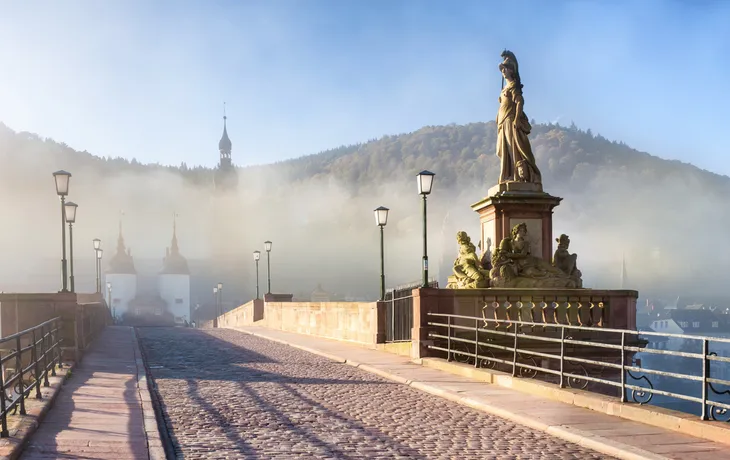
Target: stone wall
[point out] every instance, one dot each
(361, 322)
(83, 316)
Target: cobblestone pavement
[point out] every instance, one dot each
(227, 394)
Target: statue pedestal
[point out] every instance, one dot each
(512, 203)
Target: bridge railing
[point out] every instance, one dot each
(399, 311)
(26, 359)
(579, 356)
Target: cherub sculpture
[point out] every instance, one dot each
(566, 261)
(468, 271)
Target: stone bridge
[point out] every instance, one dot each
(267, 383)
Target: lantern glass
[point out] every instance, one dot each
(220, 286)
(267, 246)
(70, 209)
(381, 216)
(62, 179)
(97, 243)
(256, 255)
(425, 182)
(99, 252)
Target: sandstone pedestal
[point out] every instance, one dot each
(512, 203)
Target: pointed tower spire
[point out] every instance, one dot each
(224, 145)
(174, 263)
(624, 277)
(174, 249)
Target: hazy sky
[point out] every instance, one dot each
(147, 79)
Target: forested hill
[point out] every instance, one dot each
(461, 155)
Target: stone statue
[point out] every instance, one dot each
(513, 127)
(515, 267)
(468, 271)
(566, 261)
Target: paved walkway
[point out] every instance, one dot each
(607, 434)
(98, 412)
(230, 395)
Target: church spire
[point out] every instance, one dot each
(121, 262)
(174, 249)
(225, 145)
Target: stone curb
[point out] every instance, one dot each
(155, 448)
(566, 433)
(27, 427)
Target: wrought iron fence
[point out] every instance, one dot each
(581, 356)
(25, 366)
(399, 312)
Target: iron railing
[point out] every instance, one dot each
(579, 356)
(35, 352)
(399, 312)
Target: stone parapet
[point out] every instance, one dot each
(359, 322)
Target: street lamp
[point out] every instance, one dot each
(220, 298)
(425, 182)
(267, 246)
(256, 257)
(62, 178)
(215, 309)
(109, 294)
(381, 218)
(70, 211)
(99, 253)
(97, 246)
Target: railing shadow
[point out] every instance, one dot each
(221, 366)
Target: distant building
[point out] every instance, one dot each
(320, 295)
(122, 276)
(695, 321)
(163, 299)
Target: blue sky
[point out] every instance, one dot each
(146, 79)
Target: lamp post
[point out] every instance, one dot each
(70, 211)
(109, 294)
(97, 247)
(267, 246)
(425, 182)
(220, 298)
(256, 257)
(381, 218)
(99, 253)
(215, 309)
(62, 179)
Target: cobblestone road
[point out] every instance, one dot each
(231, 395)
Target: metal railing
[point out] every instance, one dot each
(579, 356)
(34, 353)
(399, 312)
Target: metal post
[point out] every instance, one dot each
(71, 252)
(44, 349)
(562, 357)
(425, 246)
(268, 269)
(64, 271)
(448, 338)
(514, 356)
(19, 366)
(3, 407)
(257, 279)
(476, 343)
(705, 376)
(623, 367)
(98, 272)
(382, 266)
(36, 370)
